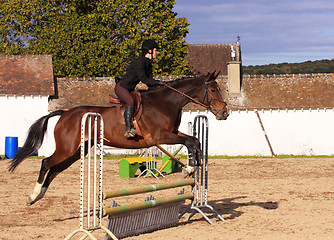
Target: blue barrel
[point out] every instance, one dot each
(11, 146)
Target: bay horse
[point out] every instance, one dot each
(159, 122)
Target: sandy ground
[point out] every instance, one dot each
(259, 199)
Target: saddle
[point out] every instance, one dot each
(137, 111)
(137, 108)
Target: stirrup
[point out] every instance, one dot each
(134, 131)
(130, 133)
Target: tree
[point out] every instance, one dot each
(319, 66)
(94, 38)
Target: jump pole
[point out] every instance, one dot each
(146, 189)
(149, 188)
(93, 166)
(147, 215)
(200, 190)
(170, 159)
(170, 155)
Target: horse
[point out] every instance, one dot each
(161, 110)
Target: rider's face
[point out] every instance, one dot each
(152, 54)
(155, 53)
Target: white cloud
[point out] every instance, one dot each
(267, 26)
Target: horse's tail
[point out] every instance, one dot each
(34, 140)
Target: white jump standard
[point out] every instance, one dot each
(200, 190)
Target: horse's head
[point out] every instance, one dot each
(213, 98)
(201, 90)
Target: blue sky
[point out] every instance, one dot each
(271, 31)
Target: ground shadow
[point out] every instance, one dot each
(228, 206)
(229, 209)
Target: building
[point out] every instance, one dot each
(25, 89)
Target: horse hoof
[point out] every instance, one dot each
(30, 201)
(185, 173)
(188, 171)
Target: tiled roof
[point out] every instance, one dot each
(26, 75)
(204, 58)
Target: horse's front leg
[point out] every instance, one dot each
(195, 155)
(192, 144)
(194, 150)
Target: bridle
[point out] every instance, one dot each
(207, 93)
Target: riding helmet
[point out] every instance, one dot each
(149, 44)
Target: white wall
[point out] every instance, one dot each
(18, 114)
(290, 132)
(300, 132)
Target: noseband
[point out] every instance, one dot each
(206, 96)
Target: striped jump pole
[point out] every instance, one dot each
(148, 188)
(148, 215)
(147, 204)
(200, 190)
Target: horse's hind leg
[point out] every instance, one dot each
(39, 191)
(53, 170)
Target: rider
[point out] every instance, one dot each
(139, 70)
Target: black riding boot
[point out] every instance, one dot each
(130, 131)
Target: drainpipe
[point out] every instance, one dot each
(265, 134)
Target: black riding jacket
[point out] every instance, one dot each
(139, 70)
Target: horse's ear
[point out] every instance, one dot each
(209, 76)
(216, 75)
(212, 76)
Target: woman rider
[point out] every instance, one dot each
(139, 70)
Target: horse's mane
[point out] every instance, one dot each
(178, 80)
(172, 83)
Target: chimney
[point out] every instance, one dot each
(233, 71)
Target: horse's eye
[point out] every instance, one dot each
(213, 90)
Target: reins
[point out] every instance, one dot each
(187, 96)
(196, 101)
